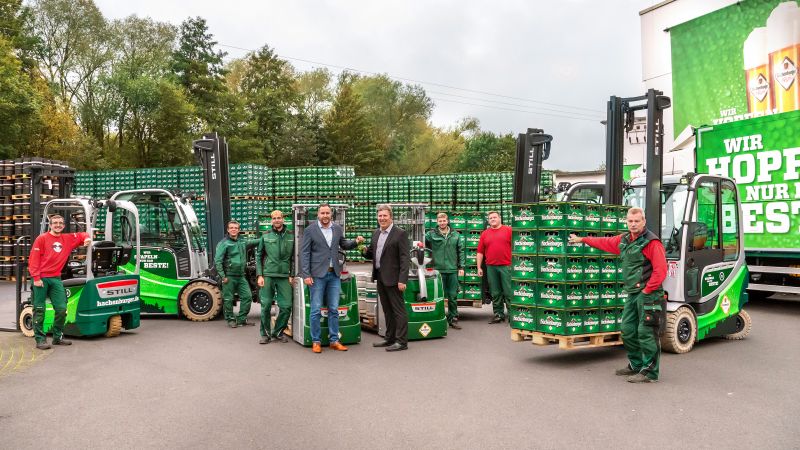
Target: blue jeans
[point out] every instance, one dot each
(328, 286)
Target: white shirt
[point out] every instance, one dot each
(379, 246)
(328, 233)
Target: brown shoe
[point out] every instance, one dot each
(338, 346)
(316, 347)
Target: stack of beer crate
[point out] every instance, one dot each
(562, 288)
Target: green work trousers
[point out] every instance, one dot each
(236, 285)
(277, 288)
(500, 288)
(53, 289)
(641, 341)
(450, 286)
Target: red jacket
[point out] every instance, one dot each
(654, 251)
(495, 245)
(49, 253)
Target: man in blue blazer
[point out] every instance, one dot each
(320, 270)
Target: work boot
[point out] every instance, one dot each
(641, 378)
(282, 338)
(496, 319)
(232, 324)
(264, 340)
(247, 323)
(455, 325)
(396, 347)
(627, 371)
(43, 345)
(61, 341)
(316, 347)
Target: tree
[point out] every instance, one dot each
(348, 133)
(199, 69)
(485, 151)
(19, 103)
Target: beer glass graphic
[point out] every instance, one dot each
(783, 39)
(756, 74)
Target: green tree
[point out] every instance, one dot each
(349, 139)
(19, 103)
(485, 151)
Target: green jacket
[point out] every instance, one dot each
(231, 257)
(448, 251)
(275, 254)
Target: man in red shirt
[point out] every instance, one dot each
(644, 267)
(49, 253)
(495, 246)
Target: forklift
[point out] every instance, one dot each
(424, 294)
(178, 275)
(349, 319)
(102, 299)
(697, 217)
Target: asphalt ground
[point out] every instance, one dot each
(178, 384)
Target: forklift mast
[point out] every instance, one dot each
(211, 153)
(621, 113)
(533, 148)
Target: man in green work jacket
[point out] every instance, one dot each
(230, 262)
(448, 259)
(275, 266)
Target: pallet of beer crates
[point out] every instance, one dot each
(570, 294)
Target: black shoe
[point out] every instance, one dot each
(396, 347)
(455, 325)
(496, 319)
(61, 341)
(383, 344)
(232, 324)
(247, 324)
(43, 345)
(264, 340)
(282, 338)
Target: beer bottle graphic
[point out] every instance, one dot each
(756, 74)
(783, 29)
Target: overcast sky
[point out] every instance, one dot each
(524, 62)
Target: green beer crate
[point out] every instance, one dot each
(475, 221)
(551, 295)
(522, 317)
(576, 214)
(552, 242)
(578, 248)
(619, 319)
(471, 275)
(622, 218)
(589, 250)
(609, 218)
(551, 321)
(591, 295)
(472, 259)
(608, 320)
(525, 292)
(591, 320)
(472, 237)
(608, 269)
(608, 295)
(523, 216)
(552, 215)
(574, 322)
(592, 217)
(591, 269)
(524, 242)
(574, 295)
(575, 269)
(551, 268)
(457, 221)
(523, 267)
(471, 291)
(622, 295)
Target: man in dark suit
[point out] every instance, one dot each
(320, 269)
(389, 251)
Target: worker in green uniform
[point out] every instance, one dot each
(230, 262)
(644, 268)
(448, 259)
(275, 266)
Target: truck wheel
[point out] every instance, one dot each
(743, 324)
(114, 326)
(26, 321)
(201, 301)
(680, 331)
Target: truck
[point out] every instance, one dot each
(730, 68)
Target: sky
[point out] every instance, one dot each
(512, 64)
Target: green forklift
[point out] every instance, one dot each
(102, 299)
(424, 294)
(349, 319)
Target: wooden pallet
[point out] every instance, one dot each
(368, 321)
(470, 303)
(21, 216)
(573, 342)
(249, 197)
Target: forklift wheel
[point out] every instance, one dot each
(743, 324)
(114, 326)
(26, 321)
(201, 301)
(681, 331)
